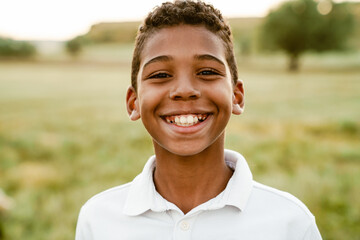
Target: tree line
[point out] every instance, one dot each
(10, 48)
(294, 27)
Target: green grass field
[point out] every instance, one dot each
(65, 136)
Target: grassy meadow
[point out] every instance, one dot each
(65, 136)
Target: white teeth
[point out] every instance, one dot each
(190, 119)
(185, 120)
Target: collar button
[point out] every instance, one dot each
(184, 225)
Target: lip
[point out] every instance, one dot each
(184, 112)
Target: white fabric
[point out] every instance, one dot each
(244, 210)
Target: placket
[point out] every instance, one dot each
(183, 225)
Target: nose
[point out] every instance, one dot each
(184, 90)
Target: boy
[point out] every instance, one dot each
(184, 89)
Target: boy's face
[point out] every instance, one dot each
(185, 94)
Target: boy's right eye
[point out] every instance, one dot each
(160, 75)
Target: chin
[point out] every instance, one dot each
(181, 149)
(186, 152)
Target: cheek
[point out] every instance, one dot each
(222, 96)
(150, 99)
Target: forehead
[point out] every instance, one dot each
(183, 41)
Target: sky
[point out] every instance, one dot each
(61, 20)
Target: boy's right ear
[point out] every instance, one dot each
(132, 105)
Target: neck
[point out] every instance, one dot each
(188, 181)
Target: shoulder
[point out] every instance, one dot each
(282, 212)
(101, 213)
(113, 198)
(279, 203)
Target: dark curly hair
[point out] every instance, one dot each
(184, 12)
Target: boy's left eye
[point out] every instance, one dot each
(208, 72)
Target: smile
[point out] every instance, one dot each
(187, 120)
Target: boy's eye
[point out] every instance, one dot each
(160, 75)
(208, 72)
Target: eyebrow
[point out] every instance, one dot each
(162, 58)
(209, 57)
(165, 58)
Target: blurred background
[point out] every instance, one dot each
(65, 134)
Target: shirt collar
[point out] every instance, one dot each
(143, 196)
(142, 192)
(238, 190)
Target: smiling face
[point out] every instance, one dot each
(185, 94)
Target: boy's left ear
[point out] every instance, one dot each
(238, 98)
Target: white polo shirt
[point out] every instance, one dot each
(245, 210)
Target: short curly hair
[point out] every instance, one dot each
(183, 12)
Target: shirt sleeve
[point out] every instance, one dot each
(312, 233)
(83, 231)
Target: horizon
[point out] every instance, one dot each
(125, 21)
(64, 20)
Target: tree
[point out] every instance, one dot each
(16, 49)
(302, 25)
(74, 46)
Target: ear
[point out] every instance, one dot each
(132, 104)
(238, 98)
